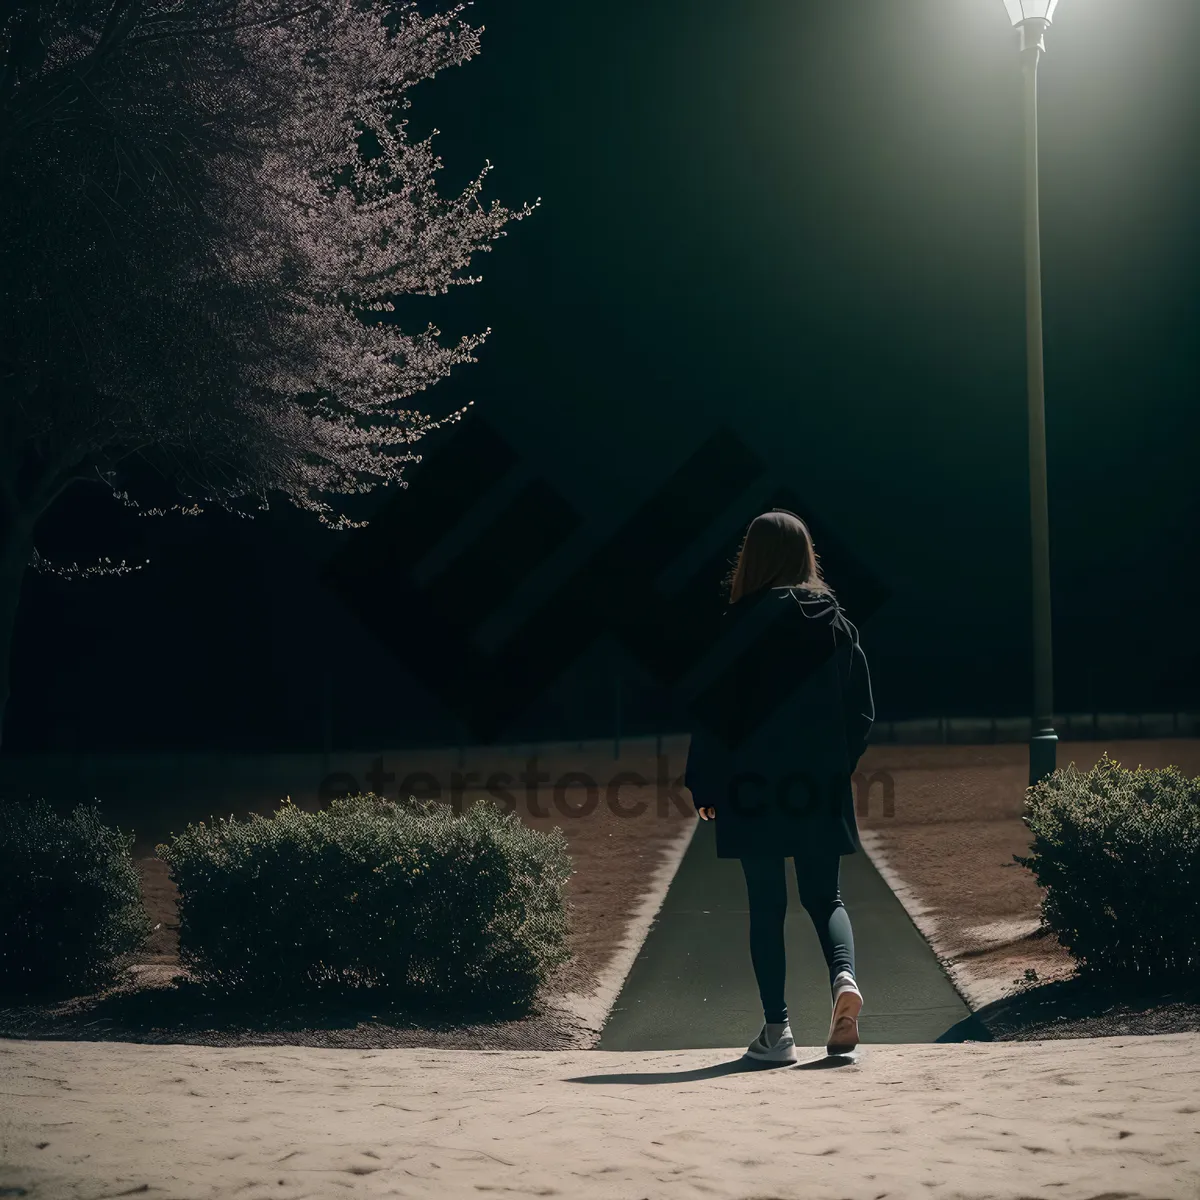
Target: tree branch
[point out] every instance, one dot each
(121, 18)
(266, 23)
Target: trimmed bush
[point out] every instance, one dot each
(1118, 853)
(423, 903)
(70, 899)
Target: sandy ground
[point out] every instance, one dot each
(1106, 1118)
(947, 851)
(1113, 1118)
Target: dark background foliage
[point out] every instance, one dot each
(799, 219)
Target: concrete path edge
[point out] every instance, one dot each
(974, 993)
(591, 1009)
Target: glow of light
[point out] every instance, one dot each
(1022, 10)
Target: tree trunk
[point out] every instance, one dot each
(16, 547)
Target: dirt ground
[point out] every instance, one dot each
(949, 844)
(616, 851)
(945, 842)
(613, 853)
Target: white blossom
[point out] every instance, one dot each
(194, 247)
(206, 206)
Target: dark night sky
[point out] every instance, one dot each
(799, 219)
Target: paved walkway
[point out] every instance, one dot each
(692, 986)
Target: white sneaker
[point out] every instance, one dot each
(843, 1026)
(782, 1050)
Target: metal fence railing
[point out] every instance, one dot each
(1068, 726)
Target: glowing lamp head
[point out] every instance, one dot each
(1025, 10)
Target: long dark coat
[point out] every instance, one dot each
(781, 724)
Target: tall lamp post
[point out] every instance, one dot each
(1031, 18)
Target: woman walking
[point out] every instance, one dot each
(784, 726)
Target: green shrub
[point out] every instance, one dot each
(413, 899)
(70, 899)
(1118, 853)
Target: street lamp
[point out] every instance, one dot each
(1031, 18)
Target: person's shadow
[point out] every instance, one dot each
(737, 1066)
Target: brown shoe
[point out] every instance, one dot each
(843, 1026)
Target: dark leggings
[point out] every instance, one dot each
(766, 890)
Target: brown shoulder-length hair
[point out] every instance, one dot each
(777, 551)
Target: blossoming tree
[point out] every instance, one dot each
(203, 206)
